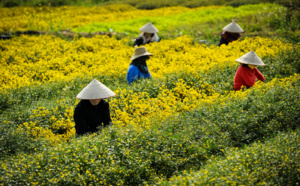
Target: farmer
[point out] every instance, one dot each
(147, 36)
(231, 32)
(247, 72)
(92, 111)
(138, 67)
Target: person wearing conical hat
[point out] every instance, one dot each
(92, 112)
(247, 73)
(138, 68)
(230, 33)
(148, 35)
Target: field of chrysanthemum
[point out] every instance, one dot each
(185, 126)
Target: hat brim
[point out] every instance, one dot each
(95, 90)
(251, 58)
(149, 28)
(233, 28)
(140, 55)
(249, 63)
(149, 31)
(95, 98)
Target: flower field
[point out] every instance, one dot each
(185, 126)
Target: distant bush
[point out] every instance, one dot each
(147, 4)
(14, 3)
(293, 4)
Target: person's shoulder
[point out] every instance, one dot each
(139, 38)
(81, 106)
(241, 68)
(133, 68)
(83, 102)
(103, 103)
(255, 69)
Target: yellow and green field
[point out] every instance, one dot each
(185, 126)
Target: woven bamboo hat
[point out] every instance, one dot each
(251, 58)
(95, 90)
(233, 27)
(141, 51)
(149, 28)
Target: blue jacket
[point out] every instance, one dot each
(133, 73)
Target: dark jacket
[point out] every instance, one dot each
(89, 118)
(228, 37)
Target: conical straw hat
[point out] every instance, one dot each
(233, 27)
(95, 90)
(251, 58)
(141, 51)
(149, 28)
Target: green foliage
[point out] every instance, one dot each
(274, 162)
(287, 3)
(14, 3)
(147, 4)
(206, 140)
(183, 142)
(168, 3)
(22, 101)
(260, 19)
(13, 141)
(181, 23)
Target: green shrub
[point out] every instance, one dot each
(182, 143)
(275, 162)
(14, 142)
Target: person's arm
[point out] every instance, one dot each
(106, 115)
(132, 74)
(138, 41)
(237, 36)
(80, 122)
(259, 75)
(246, 78)
(155, 38)
(148, 76)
